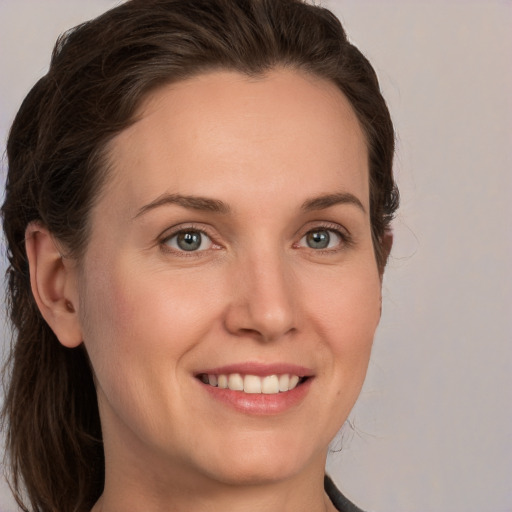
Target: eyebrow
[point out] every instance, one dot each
(207, 204)
(191, 202)
(326, 201)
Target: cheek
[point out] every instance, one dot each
(347, 313)
(142, 320)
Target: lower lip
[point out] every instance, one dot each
(260, 403)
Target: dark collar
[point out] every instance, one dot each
(338, 500)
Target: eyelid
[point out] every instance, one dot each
(341, 231)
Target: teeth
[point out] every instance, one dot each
(294, 380)
(284, 380)
(252, 384)
(222, 381)
(235, 382)
(270, 385)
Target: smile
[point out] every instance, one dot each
(253, 384)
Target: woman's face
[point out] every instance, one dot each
(232, 240)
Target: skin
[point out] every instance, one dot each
(151, 317)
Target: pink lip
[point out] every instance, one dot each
(259, 369)
(259, 404)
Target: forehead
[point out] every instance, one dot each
(204, 132)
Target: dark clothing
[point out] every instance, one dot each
(338, 500)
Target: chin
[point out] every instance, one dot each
(264, 461)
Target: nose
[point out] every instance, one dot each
(263, 303)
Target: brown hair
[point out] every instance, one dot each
(100, 71)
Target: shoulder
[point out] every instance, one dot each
(337, 498)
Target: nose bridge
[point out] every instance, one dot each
(264, 303)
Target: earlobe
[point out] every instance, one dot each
(53, 283)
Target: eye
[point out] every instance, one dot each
(321, 239)
(190, 240)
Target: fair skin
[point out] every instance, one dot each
(271, 272)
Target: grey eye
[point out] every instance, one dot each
(321, 239)
(189, 241)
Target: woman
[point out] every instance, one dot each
(198, 215)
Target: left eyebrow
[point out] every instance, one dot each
(326, 201)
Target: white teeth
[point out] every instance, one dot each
(284, 380)
(222, 381)
(252, 384)
(269, 385)
(294, 380)
(235, 382)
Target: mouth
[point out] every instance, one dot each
(256, 388)
(253, 384)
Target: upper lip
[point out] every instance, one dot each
(259, 369)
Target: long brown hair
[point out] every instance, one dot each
(100, 71)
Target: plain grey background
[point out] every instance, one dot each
(433, 425)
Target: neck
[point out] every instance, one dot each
(150, 491)
(241, 501)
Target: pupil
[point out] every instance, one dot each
(189, 241)
(318, 239)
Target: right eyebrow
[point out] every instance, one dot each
(191, 202)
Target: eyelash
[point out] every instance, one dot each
(345, 238)
(164, 240)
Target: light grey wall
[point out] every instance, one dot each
(435, 418)
(433, 426)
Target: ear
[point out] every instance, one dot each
(54, 284)
(386, 243)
